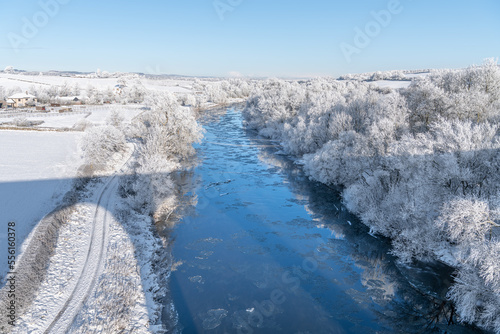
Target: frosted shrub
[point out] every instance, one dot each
(419, 165)
(154, 191)
(82, 124)
(475, 301)
(280, 103)
(20, 121)
(466, 220)
(167, 132)
(216, 93)
(470, 94)
(168, 129)
(115, 119)
(100, 143)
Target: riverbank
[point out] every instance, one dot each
(417, 165)
(259, 247)
(99, 250)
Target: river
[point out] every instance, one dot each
(260, 248)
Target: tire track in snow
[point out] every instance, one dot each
(94, 261)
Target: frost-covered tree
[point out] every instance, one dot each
(167, 134)
(418, 165)
(115, 119)
(75, 90)
(136, 93)
(65, 89)
(168, 129)
(467, 221)
(100, 143)
(93, 96)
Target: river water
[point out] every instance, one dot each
(261, 249)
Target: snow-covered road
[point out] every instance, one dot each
(79, 258)
(93, 264)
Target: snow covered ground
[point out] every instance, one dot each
(58, 121)
(99, 114)
(93, 114)
(102, 258)
(92, 249)
(36, 168)
(392, 84)
(417, 75)
(26, 82)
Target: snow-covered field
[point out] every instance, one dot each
(35, 170)
(26, 82)
(99, 258)
(99, 114)
(93, 248)
(392, 84)
(92, 115)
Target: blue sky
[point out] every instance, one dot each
(253, 37)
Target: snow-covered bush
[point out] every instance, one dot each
(375, 76)
(167, 132)
(471, 94)
(101, 143)
(94, 96)
(187, 100)
(419, 165)
(82, 124)
(468, 221)
(115, 119)
(216, 93)
(22, 122)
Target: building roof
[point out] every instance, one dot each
(10, 101)
(69, 98)
(22, 96)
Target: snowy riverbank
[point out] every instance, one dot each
(92, 263)
(418, 165)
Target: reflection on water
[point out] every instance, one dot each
(259, 248)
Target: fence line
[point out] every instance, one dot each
(29, 114)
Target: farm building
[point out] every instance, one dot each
(70, 100)
(20, 100)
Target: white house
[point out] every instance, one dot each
(20, 100)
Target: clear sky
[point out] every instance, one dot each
(289, 38)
